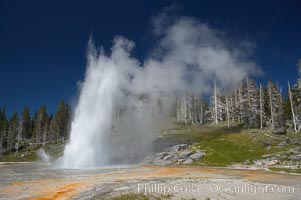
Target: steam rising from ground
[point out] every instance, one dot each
(123, 103)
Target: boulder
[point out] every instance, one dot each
(168, 157)
(267, 143)
(178, 147)
(197, 156)
(183, 146)
(157, 161)
(267, 155)
(162, 162)
(258, 163)
(185, 154)
(161, 155)
(283, 143)
(175, 148)
(295, 157)
(188, 161)
(294, 142)
(280, 131)
(295, 150)
(181, 160)
(271, 162)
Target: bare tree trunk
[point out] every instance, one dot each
(292, 107)
(185, 109)
(18, 137)
(232, 109)
(271, 106)
(181, 109)
(189, 106)
(248, 94)
(195, 109)
(201, 117)
(227, 107)
(236, 104)
(240, 100)
(261, 109)
(178, 109)
(215, 104)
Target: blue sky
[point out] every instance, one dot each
(43, 43)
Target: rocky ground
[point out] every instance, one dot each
(183, 154)
(36, 181)
(181, 160)
(289, 157)
(178, 154)
(278, 152)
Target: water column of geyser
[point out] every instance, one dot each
(187, 58)
(92, 119)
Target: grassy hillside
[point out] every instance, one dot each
(29, 155)
(225, 146)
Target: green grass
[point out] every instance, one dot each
(195, 133)
(21, 156)
(224, 146)
(55, 150)
(297, 171)
(230, 148)
(30, 155)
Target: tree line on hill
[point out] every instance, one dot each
(257, 106)
(39, 130)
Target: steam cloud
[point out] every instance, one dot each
(120, 92)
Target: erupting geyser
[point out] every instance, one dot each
(92, 116)
(123, 103)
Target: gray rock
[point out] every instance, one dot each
(267, 143)
(178, 147)
(283, 143)
(295, 157)
(161, 162)
(123, 188)
(295, 142)
(197, 156)
(184, 146)
(268, 148)
(280, 131)
(188, 161)
(247, 162)
(258, 163)
(162, 155)
(267, 155)
(168, 157)
(185, 154)
(157, 161)
(282, 156)
(175, 148)
(271, 162)
(288, 140)
(295, 150)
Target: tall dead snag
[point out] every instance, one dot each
(261, 106)
(215, 104)
(228, 113)
(292, 106)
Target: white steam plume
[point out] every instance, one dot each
(189, 55)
